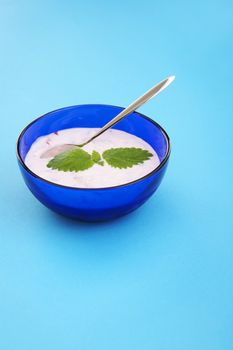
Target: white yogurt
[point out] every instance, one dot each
(97, 176)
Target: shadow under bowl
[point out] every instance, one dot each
(97, 204)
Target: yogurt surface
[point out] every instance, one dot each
(97, 176)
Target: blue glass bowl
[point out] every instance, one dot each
(102, 203)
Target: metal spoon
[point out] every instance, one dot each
(131, 108)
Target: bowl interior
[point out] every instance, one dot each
(94, 116)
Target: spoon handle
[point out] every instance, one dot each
(155, 90)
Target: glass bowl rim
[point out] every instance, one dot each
(95, 188)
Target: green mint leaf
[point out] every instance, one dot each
(126, 157)
(95, 156)
(74, 160)
(101, 162)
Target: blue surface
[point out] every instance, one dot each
(94, 204)
(161, 278)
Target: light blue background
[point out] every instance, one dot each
(162, 277)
